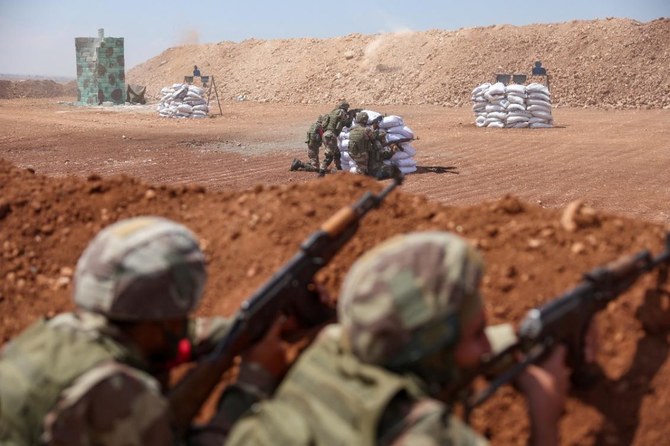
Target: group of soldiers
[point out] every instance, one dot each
(367, 146)
(410, 327)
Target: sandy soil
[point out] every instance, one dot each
(227, 178)
(616, 160)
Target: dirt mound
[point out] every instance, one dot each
(46, 222)
(617, 63)
(36, 89)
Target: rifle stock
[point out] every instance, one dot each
(285, 292)
(566, 319)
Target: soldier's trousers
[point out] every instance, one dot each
(331, 153)
(313, 154)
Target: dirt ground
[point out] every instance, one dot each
(68, 171)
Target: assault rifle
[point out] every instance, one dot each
(566, 319)
(398, 142)
(287, 291)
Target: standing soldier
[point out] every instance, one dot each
(314, 140)
(334, 122)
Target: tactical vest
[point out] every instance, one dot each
(335, 119)
(39, 364)
(329, 397)
(358, 141)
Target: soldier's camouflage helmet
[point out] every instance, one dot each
(362, 118)
(143, 268)
(407, 298)
(344, 105)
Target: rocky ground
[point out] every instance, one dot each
(66, 172)
(617, 63)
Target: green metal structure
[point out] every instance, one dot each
(100, 69)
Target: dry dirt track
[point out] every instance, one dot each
(616, 161)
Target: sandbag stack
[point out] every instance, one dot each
(517, 115)
(539, 105)
(479, 103)
(512, 106)
(183, 101)
(395, 130)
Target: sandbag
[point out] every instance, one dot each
(135, 94)
(538, 102)
(372, 115)
(407, 169)
(497, 115)
(515, 119)
(400, 155)
(515, 88)
(535, 87)
(494, 108)
(540, 96)
(544, 115)
(514, 99)
(515, 107)
(408, 148)
(391, 121)
(405, 131)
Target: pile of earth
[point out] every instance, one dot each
(614, 63)
(46, 222)
(37, 89)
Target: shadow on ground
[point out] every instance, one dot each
(436, 169)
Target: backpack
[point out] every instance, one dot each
(325, 121)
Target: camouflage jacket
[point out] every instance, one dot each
(378, 152)
(360, 146)
(336, 121)
(330, 397)
(71, 380)
(315, 134)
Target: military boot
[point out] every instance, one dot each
(322, 173)
(296, 165)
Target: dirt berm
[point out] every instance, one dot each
(618, 63)
(46, 222)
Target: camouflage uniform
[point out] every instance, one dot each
(314, 140)
(367, 150)
(75, 379)
(360, 140)
(379, 154)
(336, 122)
(370, 379)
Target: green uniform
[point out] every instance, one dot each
(314, 141)
(360, 147)
(72, 380)
(330, 397)
(336, 120)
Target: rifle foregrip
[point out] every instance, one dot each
(339, 222)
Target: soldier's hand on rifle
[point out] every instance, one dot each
(545, 387)
(273, 353)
